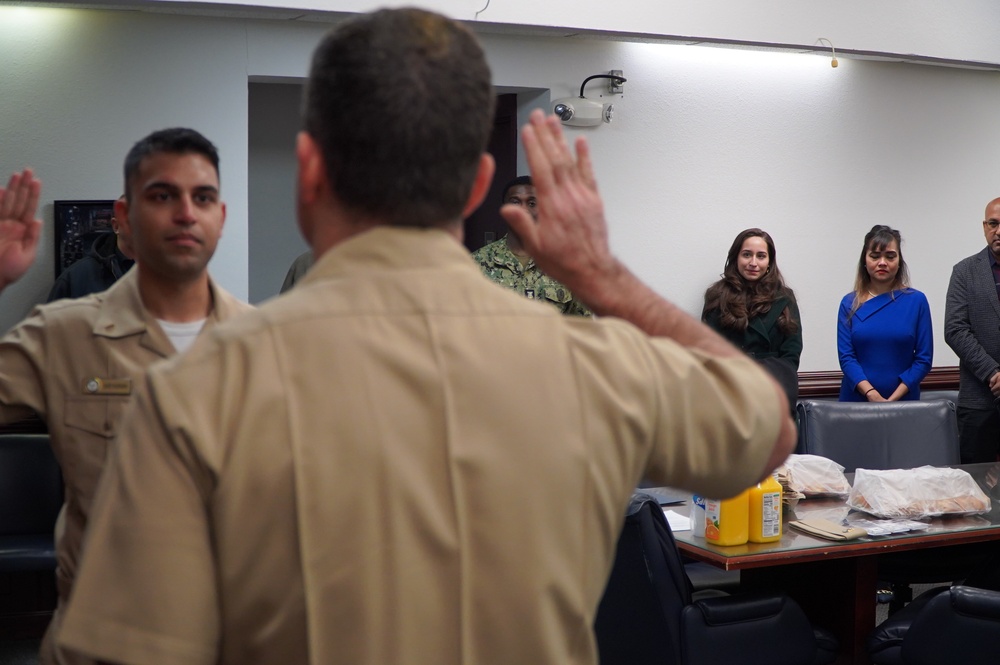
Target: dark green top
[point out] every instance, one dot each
(763, 338)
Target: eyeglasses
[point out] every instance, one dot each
(992, 224)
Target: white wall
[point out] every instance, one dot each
(960, 29)
(705, 142)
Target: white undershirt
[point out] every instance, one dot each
(182, 335)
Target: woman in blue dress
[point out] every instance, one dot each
(884, 336)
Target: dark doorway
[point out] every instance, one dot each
(486, 225)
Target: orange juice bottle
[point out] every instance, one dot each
(726, 521)
(765, 511)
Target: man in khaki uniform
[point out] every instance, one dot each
(342, 477)
(508, 263)
(77, 362)
(300, 266)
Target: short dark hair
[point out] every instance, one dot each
(175, 141)
(400, 104)
(516, 182)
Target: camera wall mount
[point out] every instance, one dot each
(583, 112)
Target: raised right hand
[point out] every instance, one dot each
(20, 229)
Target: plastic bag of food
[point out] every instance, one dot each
(922, 492)
(813, 475)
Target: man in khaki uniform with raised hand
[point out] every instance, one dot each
(78, 362)
(342, 477)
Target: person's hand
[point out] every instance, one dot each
(995, 384)
(19, 227)
(569, 241)
(875, 396)
(899, 393)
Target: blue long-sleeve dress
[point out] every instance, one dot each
(888, 340)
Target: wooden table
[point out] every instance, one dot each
(835, 581)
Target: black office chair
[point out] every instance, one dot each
(648, 616)
(31, 494)
(889, 435)
(941, 627)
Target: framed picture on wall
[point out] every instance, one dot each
(78, 224)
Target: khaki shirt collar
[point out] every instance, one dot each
(122, 314)
(392, 247)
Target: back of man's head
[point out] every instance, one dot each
(401, 105)
(175, 141)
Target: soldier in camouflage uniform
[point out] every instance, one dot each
(508, 264)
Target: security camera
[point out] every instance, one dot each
(579, 111)
(564, 111)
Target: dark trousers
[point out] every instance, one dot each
(979, 434)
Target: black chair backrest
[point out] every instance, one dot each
(950, 395)
(638, 620)
(896, 435)
(959, 626)
(31, 491)
(761, 628)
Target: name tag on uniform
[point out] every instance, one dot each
(99, 386)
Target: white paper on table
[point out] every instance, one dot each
(677, 521)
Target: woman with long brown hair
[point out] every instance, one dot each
(753, 308)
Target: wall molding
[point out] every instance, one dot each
(827, 384)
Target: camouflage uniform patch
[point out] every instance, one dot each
(500, 265)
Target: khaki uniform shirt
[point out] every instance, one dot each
(77, 363)
(503, 267)
(300, 266)
(398, 462)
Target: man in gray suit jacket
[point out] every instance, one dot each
(972, 330)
